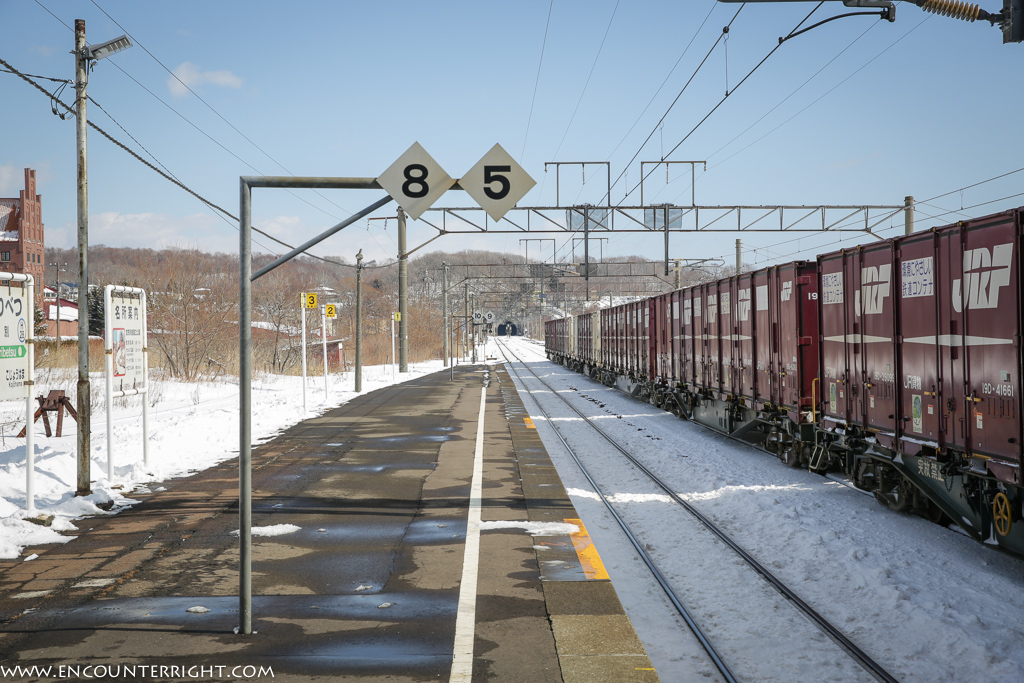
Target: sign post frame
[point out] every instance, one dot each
(30, 450)
(108, 329)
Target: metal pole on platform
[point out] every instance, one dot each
(245, 414)
(302, 312)
(323, 340)
(473, 332)
(403, 296)
(359, 321)
(446, 328)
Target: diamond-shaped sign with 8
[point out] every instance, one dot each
(415, 181)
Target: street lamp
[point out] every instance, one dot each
(83, 54)
(359, 317)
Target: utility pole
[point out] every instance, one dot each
(403, 296)
(739, 256)
(83, 54)
(465, 328)
(908, 215)
(444, 311)
(83, 404)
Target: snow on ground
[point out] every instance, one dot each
(192, 427)
(926, 602)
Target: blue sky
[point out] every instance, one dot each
(858, 111)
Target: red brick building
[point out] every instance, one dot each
(21, 234)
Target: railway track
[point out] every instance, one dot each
(875, 670)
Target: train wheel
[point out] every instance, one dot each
(899, 496)
(791, 454)
(1002, 514)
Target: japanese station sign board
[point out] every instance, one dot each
(15, 325)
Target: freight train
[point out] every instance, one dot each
(898, 363)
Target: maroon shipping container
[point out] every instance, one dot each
(743, 337)
(960, 324)
(689, 332)
(584, 342)
(859, 339)
(661, 337)
(675, 333)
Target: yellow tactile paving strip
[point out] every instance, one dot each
(590, 559)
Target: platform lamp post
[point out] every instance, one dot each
(83, 54)
(359, 318)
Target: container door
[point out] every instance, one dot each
(919, 382)
(744, 326)
(990, 302)
(762, 338)
(834, 336)
(875, 310)
(727, 342)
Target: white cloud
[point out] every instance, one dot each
(161, 231)
(188, 74)
(11, 180)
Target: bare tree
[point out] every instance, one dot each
(192, 313)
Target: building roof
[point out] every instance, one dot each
(8, 208)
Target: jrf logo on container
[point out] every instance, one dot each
(984, 274)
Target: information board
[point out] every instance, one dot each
(126, 320)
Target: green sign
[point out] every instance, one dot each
(12, 351)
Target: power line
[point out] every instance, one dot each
(211, 108)
(592, 67)
(536, 83)
(188, 121)
(818, 99)
(729, 92)
(662, 86)
(685, 86)
(165, 175)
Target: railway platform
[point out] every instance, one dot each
(370, 564)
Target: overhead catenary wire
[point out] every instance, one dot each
(536, 83)
(722, 101)
(589, 76)
(152, 167)
(673, 104)
(662, 86)
(190, 122)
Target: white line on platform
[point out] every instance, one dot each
(465, 622)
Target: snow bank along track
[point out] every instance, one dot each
(869, 665)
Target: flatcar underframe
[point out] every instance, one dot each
(941, 485)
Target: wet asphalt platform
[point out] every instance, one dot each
(367, 588)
